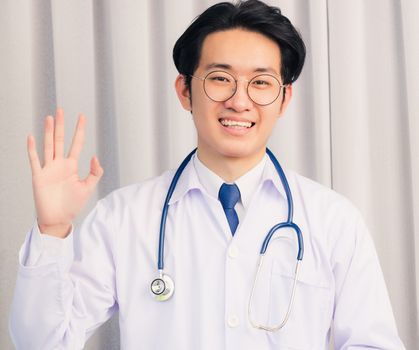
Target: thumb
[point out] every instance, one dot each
(96, 172)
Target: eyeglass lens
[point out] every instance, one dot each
(263, 89)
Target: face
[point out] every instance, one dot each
(238, 127)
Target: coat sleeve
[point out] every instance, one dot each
(65, 290)
(363, 317)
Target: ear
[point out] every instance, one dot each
(182, 91)
(286, 99)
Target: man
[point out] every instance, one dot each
(236, 65)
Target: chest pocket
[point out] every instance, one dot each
(309, 320)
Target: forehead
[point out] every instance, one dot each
(241, 49)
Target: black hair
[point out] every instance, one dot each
(252, 15)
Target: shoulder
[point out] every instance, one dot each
(139, 194)
(314, 194)
(332, 222)
(331, 214)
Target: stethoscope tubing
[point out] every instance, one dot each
(163, 286)
(284, 225)
(160, 263)
(288, 223)
(284, 184)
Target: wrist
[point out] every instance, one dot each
(60, 230)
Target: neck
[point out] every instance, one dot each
(229, 168)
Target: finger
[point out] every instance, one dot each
(33, 155)
(96, 172)
(48, 140)
(59, 134)
(78, 138)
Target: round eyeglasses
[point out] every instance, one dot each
(220, 86)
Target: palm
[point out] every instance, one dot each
(59, 192)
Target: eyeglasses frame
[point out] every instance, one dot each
(281, 86)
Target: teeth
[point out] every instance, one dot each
(234, 123)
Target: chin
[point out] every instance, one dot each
(240, 151)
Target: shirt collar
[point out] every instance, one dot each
(247, 184)
(197, 176)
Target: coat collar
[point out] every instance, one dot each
(189, 181)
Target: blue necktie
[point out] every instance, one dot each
(229, 195)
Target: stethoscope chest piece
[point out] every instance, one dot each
(162, 287)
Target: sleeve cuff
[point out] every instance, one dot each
(42, 249)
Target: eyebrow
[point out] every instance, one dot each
(229, 67)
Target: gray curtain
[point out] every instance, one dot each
(353, 124)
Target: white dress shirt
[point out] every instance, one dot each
(247, 183)
(67, 288)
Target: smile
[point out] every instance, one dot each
(236, 124)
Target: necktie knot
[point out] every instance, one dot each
(229, 195)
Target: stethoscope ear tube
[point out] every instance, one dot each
(290, 304)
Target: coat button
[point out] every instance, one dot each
(233, 252)
(233, 321)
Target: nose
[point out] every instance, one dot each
(240, 101)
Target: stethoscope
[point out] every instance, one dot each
(163, 287)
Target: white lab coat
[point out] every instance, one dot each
(58, 302)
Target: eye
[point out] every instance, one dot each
(261, 82)
(264, 82)
(219, 78)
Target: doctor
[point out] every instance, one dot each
(236, 67)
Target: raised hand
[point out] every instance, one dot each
(59, 193)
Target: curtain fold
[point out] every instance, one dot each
(410, 29)
(371, 135)
(352, 125)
